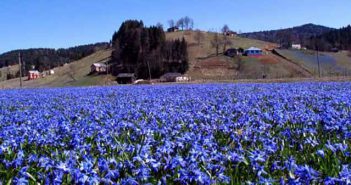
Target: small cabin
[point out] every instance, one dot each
(98, 68)
(230, 33)
(296, 46)
(232, 52)
(126, 78)
(173, 29)
(33, 74)
(253, 52)
(170, 77)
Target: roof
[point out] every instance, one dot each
(99, 64)
(254, 49)
(126, 75)
(33, 71)
(169, 75)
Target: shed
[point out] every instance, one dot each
(296, 46)
(232, 52)
(126, 78)
(98, 68)
(230, 33)
(253, 51)
(170, 77)
(33, 74)
(173, 29)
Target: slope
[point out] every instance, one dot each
(72, 74)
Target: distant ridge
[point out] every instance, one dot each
(299, 34)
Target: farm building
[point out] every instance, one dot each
(170, 77)
(98, 68)
(253, 51)
(126, 78)
(173, 29)
(296, 46)
(232, 52)
(33, 74)
(230, 33)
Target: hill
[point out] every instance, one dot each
(287, 36)
(73, 74)
(339, 38)
(46, 58)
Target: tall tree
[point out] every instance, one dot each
(225, 29)
(171, 23)
(181, 23)
(216, 42)
(199, 37)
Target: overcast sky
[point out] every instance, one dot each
(66, 23)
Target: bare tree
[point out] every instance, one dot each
(171, 23)
(181, 23)
(216, 42)
(225, 29)
(159, 25)
(191, 26)
(186, 22)
(226, 40)
(199, 37)
(71, 72)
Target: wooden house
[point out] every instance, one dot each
(126, 78)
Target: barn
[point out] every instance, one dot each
(98, 68)
(33, 74)
(253, 51)
(126, 78)
(170, 77)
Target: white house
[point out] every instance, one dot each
(296, 46)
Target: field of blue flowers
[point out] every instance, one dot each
(294, 133)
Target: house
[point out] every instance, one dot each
(173, 29)
(232, 52)
(170, 77)
(98, 68)
(33, 74)
(253, 51)
(296, 46)
(183, 79)
(126, 78)
(230, 33)
(335, 50)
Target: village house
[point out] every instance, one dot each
(253, 52)
(126, 78)
(296, 46)
(98, 68)
(170, 77)
(173, 29)
(230, 33)
(33, 74)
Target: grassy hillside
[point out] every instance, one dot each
(204, 65)
(73, 74)
(331, 64)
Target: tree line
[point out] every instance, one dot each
(44, 58)
(339, 39)
(145, 51)
(184, 23)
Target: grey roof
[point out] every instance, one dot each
(254, 49)
(99, 65)
(125, 75)
(169, 75)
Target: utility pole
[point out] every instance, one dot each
(20, 68)
(319, 65)
(148, 66)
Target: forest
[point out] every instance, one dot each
(146, 52)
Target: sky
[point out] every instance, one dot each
(66, 23)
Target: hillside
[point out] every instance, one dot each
(298, 34)
(47, 58)
(72, 74)
(204, 65)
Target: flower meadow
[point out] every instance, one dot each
(288, 133)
